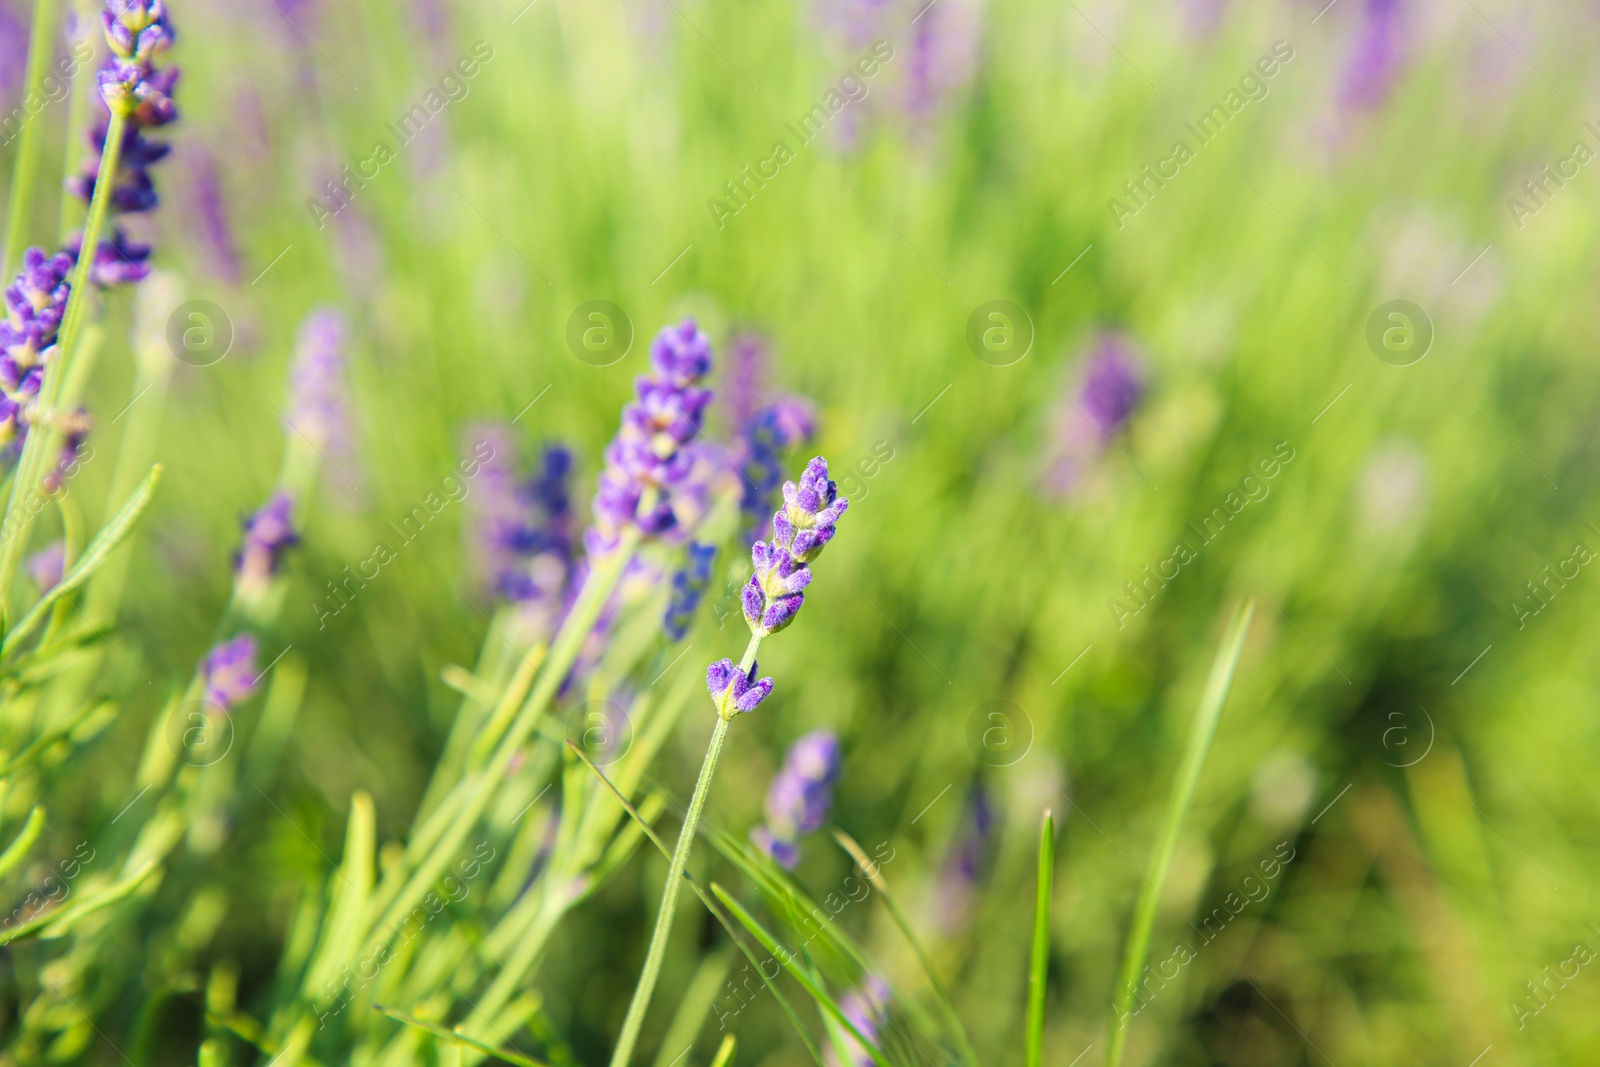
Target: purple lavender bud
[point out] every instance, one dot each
(688, 588)
(1375, 61)
(522, 530)
(775, 592)
(268, 534)
(867, 1008)
(805, 524)
(317, 406)
(734, 691)
(229, 673)
(34, 306)
(648, 473)
(800, 795)
(118, 260)
(747, 365)
(13, 56)
(45, 567)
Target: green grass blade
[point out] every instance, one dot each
(459, 1038)
(725, 1053)
(24, 841)
(1041, 942)
(791, 963)
(104, 542)
(711, 906)
(1201, 734)
(872, 872)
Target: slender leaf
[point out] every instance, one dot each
(18, 849)
(1201, 734)
(725, 1053)
(109, 537)
(459, 1038)
(1041, 942)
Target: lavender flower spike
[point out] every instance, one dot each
(34, 305)
(867, 1008)
(735, 691)
(649, 473)
(316, 383)
(268, 534)
(229, 672)
(688, 589)
(800, 796)
(801, 528)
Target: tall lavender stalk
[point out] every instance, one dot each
(773, 597)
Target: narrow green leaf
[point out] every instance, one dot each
(339, 938)
(705, 898)
(109, 537)
(18, 849)
(459, 1038)
(874, 874)
(1201, 734)
(791, 963)
(59, 922)
(1041, 942)
(725, 1053)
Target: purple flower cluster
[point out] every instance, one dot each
(866, 1008)
(532, 535)
(800, 796)
(317, 405)
(228, 673)
(801, 529)
(1111, 389)
(47, 565)
(649, 473)
(688, 589)
(268, 534)
(34, 304)
(131, 85)
(733, 690)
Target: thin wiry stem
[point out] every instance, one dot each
(30, 466)
(25, 171)
(669, 892)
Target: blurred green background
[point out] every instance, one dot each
(1402, 719)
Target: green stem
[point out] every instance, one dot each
(41, 437)
(1040, 961)
(1194, 758)
(642, 992)
(25, 172)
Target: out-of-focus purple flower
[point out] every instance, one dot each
(943, 57)
(647, 466)
(735, 691)
(748, 353)
(688, 589)
(46, 566)
(211, 213)
(1375, 59)
(228, 673)
(317, 402)
(523, 528)
(75, 426)
(966, 861)
(34, 305)
(268, 534)
(13, 59)
(800, 796)
(767, 435)
(1110, 391)
(867, 1007)
(801, 529)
